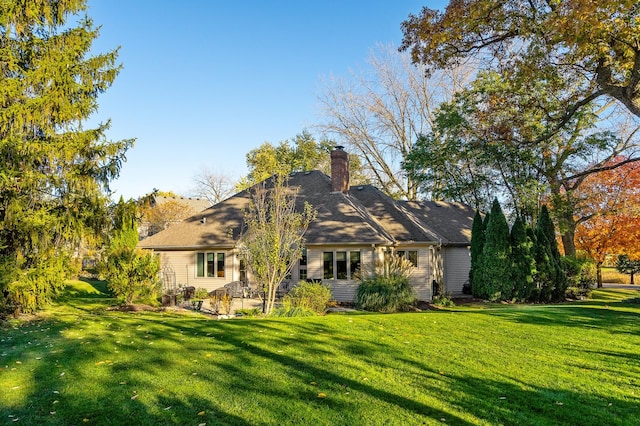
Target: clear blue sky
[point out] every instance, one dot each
(206, 81)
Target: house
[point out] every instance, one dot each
(353, 225)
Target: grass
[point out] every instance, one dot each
(80, 363)
(611, 275)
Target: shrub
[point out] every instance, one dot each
(27, 290)
(581, 277)
(219, 303)
(305, 299)
(201, 293)
(132, 275)
(249, 312)
(385, 294)
(443, 300)
(385, 287)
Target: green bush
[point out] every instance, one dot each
(132, 275)
(25, 290)
(443, 300)
(305, 299)
(581, 277)
(385, 294)
(201, 293)
(385, 287)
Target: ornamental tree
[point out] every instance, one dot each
(494, 282)
(273, 239)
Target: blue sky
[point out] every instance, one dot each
(206, 81)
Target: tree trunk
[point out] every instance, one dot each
(568, 243)
(632, 283)
(599, 273)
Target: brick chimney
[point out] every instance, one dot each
(339, 170)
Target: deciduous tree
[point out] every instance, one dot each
(213, 185)
(303, 153)
(380, 112)
(274, 237)
(611, 223)
(531, 40)
(489, 139)
(53, 172)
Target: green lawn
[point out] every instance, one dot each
(79, 363)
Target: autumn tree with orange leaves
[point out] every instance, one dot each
(611, 219)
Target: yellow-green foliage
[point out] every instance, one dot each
(132, 275)
(307, 297)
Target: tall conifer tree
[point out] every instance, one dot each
(522, 261)
(557, 272)
(55, 173)
(477, 244)
(496, 275)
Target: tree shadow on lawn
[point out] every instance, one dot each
(617, 317)
(233, 386)
(509, 401)
(77, 377)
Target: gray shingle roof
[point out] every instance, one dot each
(364, 216)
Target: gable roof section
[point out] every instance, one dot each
(452, 221)
(364, 216)
(339, 219)
(403, 225)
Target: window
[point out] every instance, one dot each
(341, 265)
(200, 263)
(210, 263)
(344, 263)
(220, 265)
(410, 255)
(327, 265)
(354, 264)
(302, 268)
(243, 271)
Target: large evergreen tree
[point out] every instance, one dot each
(522, 261)
(53, 172)
(559, 277)
(477, 244)
(550, 277)
(496, 269)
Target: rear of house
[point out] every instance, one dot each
(353, 226)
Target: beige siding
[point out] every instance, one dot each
(182, 265)
(341, 290)
(345, 290)
(456, 268)
(421, 276)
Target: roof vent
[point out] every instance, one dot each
(203, 220)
